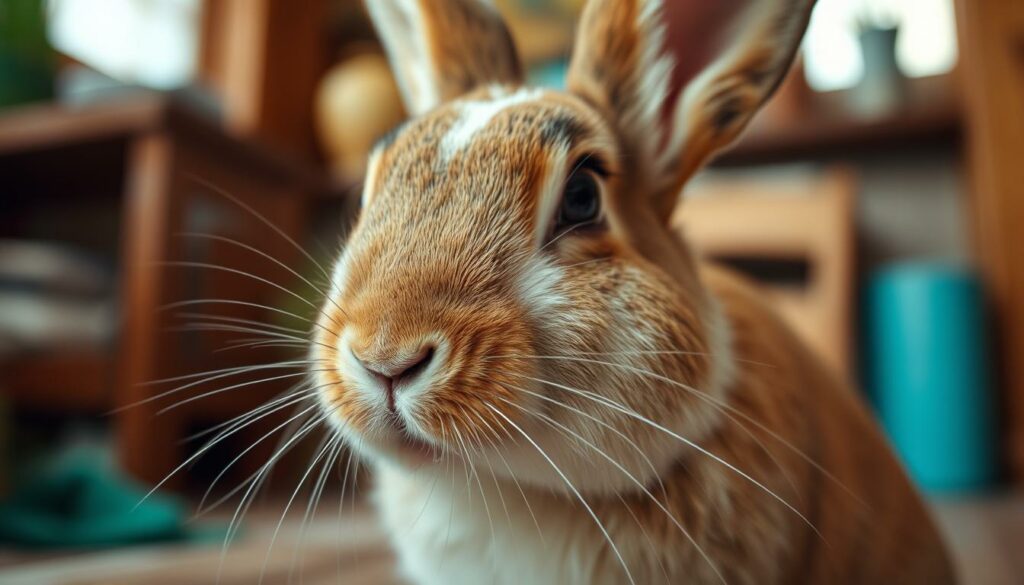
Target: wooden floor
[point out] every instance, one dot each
(987, 536)
(350, 552)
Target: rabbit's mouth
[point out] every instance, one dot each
(408, 447)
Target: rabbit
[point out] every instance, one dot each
(549, 386)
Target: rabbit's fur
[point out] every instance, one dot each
(588, 403)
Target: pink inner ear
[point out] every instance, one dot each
(693, 36)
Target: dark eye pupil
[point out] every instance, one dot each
(580, 202)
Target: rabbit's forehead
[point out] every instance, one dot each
(496, 145)
(474, 116)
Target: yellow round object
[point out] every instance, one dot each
(356, 103)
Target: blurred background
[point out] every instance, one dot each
(173, 173)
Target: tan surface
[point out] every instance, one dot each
(807, 219)
(355, 554)
(983, 534)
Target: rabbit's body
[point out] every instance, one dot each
(551, 388)
(873, 528)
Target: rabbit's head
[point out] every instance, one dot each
(512, 294)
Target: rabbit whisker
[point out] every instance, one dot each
(231, 370)
(263, 254)
(205, 395)
(512, 474)
(647, 536)
(223, 193)
(239, 272)
(212, 376)
(218, 267)
(478, 449)
(630, 413)
(615, 353)
(566, 431)
(208, 326)
(243, 506)
(476, 476)
(217, 301)
(720, 406)
(426, 504)
(586, 262)
(266, 327)
(243, 342)
(576, 492)
(462, 455)
(450, 467)
(341, 505)
(300, 413)
(181, 466)
(293, 393)
(311, 508)
(491, 442)
(255, 343)
(566, 233)
(732, 413)
(602, 424)
(269, 335)
(325, 444)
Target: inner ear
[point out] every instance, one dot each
(680, 81)
(695, 33)
(442, 49)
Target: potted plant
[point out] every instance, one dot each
(26, 59)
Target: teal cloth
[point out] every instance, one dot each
(84, 502)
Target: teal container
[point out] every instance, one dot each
(929, 373)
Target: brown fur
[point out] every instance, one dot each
(556, 348)
(873, 527)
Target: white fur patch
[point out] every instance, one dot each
(400, 26)
(339, 275)
(651, 79)
(370, 185)
(474, 116)
(551, 191)
(538, 288)
(723, 364)
(442, 531)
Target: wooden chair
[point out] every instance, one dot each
(795, 236)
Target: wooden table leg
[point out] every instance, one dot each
(992, 75)
(148, 444)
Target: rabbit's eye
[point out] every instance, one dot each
(581, 200)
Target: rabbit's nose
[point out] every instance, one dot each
(392, 374)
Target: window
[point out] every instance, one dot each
(926, 44)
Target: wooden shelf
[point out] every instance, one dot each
(50, 126)
(827, 127)
(80, 380)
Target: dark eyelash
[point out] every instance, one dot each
(591, 162)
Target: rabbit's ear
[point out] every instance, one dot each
(441, 49)
(672, 119)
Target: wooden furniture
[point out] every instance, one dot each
(992, 53)
(264, 60)
(977, 109)
(796, 236)
(826, 126)
(158, 167)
